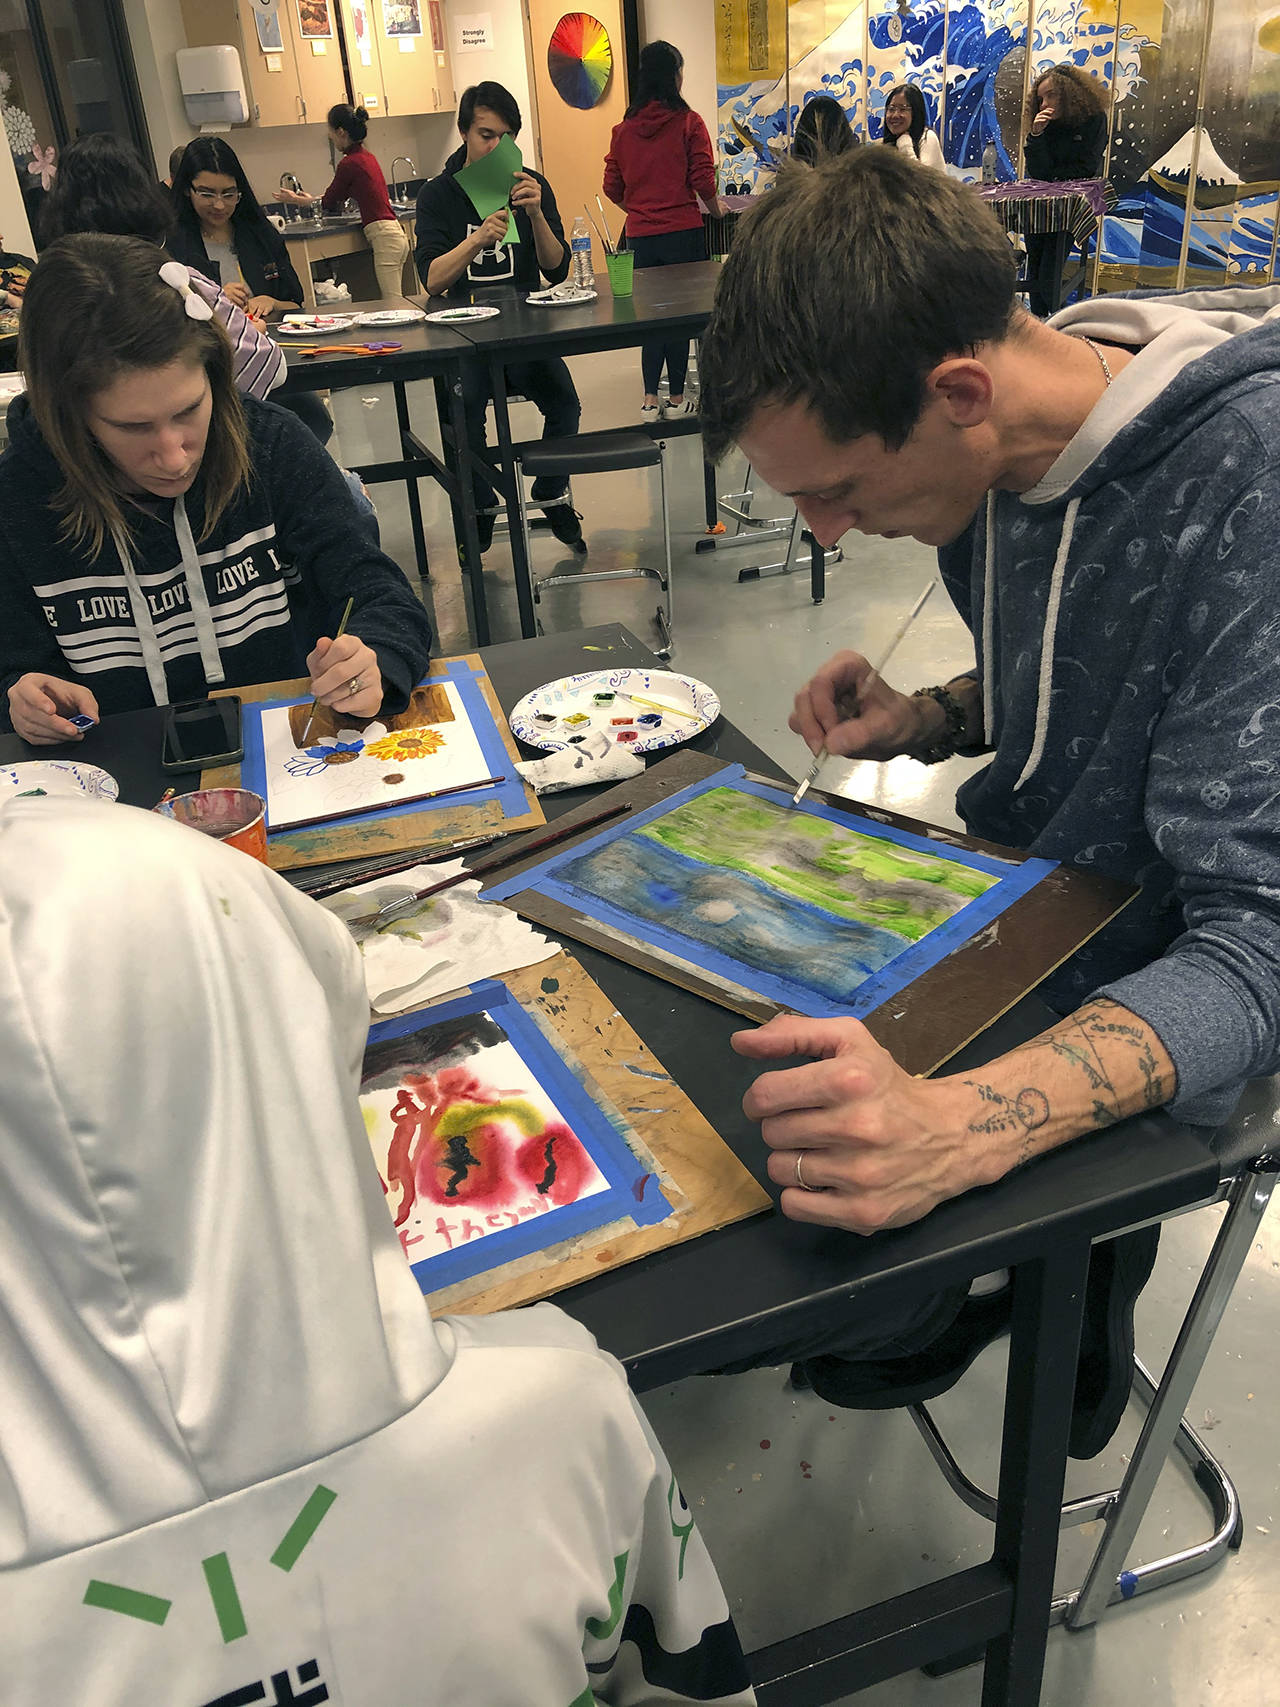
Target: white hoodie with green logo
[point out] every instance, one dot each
(238, 1460)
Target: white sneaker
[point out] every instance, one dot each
(687, 406)
(650, 414)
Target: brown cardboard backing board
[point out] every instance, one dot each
(946, 1007)
(434, 827)
(712, 1188)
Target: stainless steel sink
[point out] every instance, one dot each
(316, 227)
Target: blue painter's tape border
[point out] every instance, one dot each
(1015, 881)
(602, 1142)
(509, 795)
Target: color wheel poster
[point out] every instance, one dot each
(580, 60)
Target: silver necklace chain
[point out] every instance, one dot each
(1106, 370)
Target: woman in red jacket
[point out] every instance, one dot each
(659, 161)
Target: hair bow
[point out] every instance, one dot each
(175, 274)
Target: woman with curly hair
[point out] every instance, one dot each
(1066, 139)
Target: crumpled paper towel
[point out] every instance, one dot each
(441, 943)
(598, 759)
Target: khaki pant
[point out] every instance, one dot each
(390, 252)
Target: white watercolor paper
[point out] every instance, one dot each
(365, 769)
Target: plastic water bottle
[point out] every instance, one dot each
(990, 164)
(581, 273)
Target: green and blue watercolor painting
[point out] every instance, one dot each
(796, 896)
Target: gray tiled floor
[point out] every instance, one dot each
(809, 1511)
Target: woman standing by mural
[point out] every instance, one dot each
(1066, 139)
(659, 162)
(906, 126)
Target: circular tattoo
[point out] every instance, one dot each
(1031, 1108)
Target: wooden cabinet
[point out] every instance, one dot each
(392, 75)
(289, 85)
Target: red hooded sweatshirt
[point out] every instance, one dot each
(656, 162)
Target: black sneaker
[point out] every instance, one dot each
(566, 524)
(484, 530)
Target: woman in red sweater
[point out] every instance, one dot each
(659, 161)
(360, 176)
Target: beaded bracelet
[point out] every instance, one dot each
(951, 739)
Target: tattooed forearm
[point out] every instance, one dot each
(1090, 1071)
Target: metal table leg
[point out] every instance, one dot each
(411, 481)
(511, 495)
(1048, 1305)
(458, 457)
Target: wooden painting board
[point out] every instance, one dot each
(930, 1020)
(449, 822)
(717, 1190)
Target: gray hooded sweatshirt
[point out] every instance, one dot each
(1126, 615)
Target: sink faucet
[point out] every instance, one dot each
(288, 181)
(413, 172)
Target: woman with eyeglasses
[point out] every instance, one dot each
(223, 232)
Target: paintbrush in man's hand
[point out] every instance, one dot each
(848, 706)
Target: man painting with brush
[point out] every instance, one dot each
(1103, 491)
(454, 248)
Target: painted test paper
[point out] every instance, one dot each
(467, 1139)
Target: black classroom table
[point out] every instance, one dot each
(426, 352)
(673, 301)
(733, 1293)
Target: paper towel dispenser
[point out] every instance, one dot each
(212, 85)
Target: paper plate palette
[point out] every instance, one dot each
(644, 710)
(391, 317)
(56, 776)
(558, 297)
(307, 325)
(469, 311)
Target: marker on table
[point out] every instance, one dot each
(877, 669)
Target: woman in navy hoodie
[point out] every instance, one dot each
(159, 534)
(659, 162)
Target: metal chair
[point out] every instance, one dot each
(600, 453)
(1248, 1150)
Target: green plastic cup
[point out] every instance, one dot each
(621, 272)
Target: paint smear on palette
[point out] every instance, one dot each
(349, 766)
(780, 891)
(467, 1140)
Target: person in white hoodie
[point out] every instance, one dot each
(239, 1461)
(1104, 492)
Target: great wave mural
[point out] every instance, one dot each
(1213, 187)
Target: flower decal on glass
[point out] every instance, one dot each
(406, 744)
(327, 751)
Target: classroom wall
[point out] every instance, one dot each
(691, 29)
(156, 32)
(506, 62)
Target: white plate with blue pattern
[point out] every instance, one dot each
(37, 777)
(644, 710)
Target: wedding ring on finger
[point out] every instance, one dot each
(353, 687)
(801, 1181)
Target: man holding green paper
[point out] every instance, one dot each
(489, 220)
